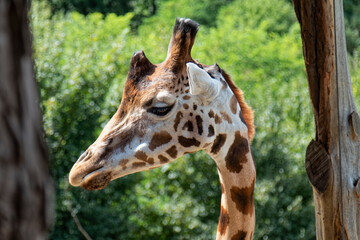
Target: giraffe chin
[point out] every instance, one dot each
(96, 181)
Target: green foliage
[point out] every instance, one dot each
(81, 65)
(139, 8)
(86, 7)
(352, 21)
(120, 7)
(354, 63)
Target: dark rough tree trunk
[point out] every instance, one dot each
(25, 184)
(333, 158)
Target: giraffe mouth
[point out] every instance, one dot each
(100, 178)
(89, 176)
(96, 180)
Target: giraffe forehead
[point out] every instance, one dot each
(135, 95)
(159, 98)
(163, 95)
(159, 75)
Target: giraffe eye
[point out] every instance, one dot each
(160, 111)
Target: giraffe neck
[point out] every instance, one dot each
(237, 177)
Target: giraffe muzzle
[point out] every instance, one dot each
(89, 172)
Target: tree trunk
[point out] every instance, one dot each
(26, 197)
(333, 158)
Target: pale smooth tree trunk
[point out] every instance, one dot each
(333, 158)
(26, 197)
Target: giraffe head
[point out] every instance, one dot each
(167, 110)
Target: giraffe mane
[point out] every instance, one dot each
(247, 112)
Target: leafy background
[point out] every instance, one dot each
(82, 53)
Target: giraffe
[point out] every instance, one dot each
(176, 107)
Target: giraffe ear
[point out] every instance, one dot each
(201, 83)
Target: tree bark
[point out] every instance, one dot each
(26, 197)
(332, 159)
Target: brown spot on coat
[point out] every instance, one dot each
(158, 139)
(178, 117)
(172, 151)
(186, 97)
(226, 117)
(211, 131)
(217, 119)
(224, 221)
(186, 106)
(233, 104)
(218, 143)
(240, 235)
(194, 106)
(243, 198)
(123, 163)
(189, 126)
(163, 159)
(199, 122)
(188, 142)
(211, 114)
(236, 155)
(150, 160)
(142, 156)
(222, 188)
(138, 164)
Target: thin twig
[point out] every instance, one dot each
(78, 224)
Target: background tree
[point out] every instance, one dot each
(26, 209)
(332, 159)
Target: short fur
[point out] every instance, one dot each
(248, 113)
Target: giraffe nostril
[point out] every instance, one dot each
(85, 156)
(85, 165)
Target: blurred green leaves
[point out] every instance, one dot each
(81, 66)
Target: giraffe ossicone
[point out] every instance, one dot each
(179, 106)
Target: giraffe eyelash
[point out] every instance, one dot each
(161, 111)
